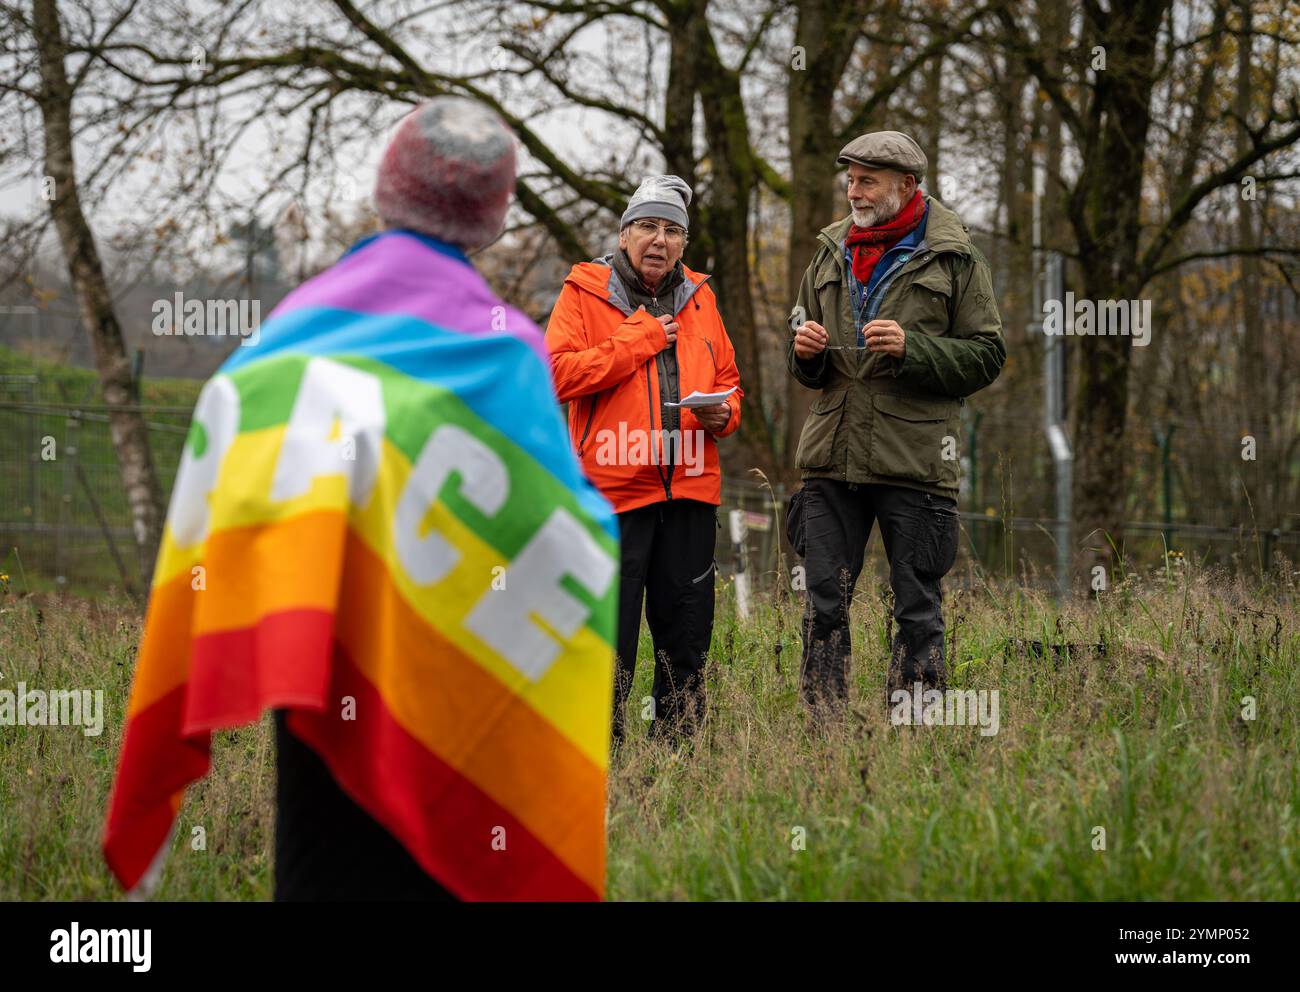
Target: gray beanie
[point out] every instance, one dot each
(659, 196)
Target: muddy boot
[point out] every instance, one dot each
(935, 675)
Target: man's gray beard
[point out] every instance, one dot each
(886, 211)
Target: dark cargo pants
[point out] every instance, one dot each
(920, 532)
(667, 561)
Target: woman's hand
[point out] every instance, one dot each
(714, 418)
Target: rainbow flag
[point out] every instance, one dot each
(379, 524)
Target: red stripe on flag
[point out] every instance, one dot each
(282, 661)
(446, 823)
(167, 745)
(156, 763)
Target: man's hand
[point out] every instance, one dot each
(885, 336)
(714, 418)
(810, 340)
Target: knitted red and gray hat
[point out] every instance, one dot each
(448, 172)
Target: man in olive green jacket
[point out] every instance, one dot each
(895, 325)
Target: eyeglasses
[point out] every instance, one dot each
(673, 234)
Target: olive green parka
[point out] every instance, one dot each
(880, 419)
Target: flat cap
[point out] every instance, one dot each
(885, 150)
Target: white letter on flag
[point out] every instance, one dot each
(561, 547)
(484, 482)
(216, 416)
(332, 391)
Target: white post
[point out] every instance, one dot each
(1049, 284)
(738, 529)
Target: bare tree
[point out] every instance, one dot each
(1108, 112)
(54, 96)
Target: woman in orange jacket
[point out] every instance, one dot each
(632, 334)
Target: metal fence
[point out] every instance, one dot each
(63, 513)
(1023, 547)
(64, 519)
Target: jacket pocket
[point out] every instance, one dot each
(915, 439)
(928, 307)
(581, 441)
(827, 273)
(817, 442)
(933, 280)
(935, 547)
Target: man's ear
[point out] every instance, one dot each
(622, 239)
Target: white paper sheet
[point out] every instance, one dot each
(698, 398)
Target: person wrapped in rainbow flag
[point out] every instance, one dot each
(380, 532)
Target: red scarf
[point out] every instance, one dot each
(870, 243)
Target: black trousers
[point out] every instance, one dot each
(327, 848)
(667, 561)
(919, 531)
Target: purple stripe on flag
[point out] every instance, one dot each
(397, 274)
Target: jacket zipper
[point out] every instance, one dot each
(590, 416)
(920, 253)
(650, 411)
(665, 479)
(882, 286)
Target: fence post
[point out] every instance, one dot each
(737, 527)
(71, 435)
(1164, 441)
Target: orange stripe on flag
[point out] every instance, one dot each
(254, 571)
(470, 720)
(290, 564)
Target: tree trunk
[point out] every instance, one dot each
(726, 219)
(121, 392)
(1254, 362)
(935, 123)
(1110, 188)
(1015, 193)
(826, 31)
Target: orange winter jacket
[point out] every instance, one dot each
(604, 360)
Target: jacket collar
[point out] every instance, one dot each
(599, 278)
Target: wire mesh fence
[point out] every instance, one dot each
(64, 518)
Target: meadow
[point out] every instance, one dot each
(1163, 713)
